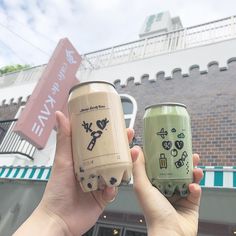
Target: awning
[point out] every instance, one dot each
(219, 176)
(214, 176)
(25, 173)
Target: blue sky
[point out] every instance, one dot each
(30, 29)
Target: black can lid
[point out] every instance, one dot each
(166, 104)
(90, 82)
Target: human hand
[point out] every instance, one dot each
(174, 216)
(64, 204)
(63, 195)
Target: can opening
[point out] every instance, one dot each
(89, 82)
(166, 104)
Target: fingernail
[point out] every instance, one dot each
(138, 147)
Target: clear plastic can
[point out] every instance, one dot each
(168, 148)
(99, 140)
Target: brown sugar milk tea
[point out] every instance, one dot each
(99, 140)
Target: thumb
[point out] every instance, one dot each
(141, 181)
(151, 200)
(63, 147)
(63, 124)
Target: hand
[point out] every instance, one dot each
(176, 216)
(70, 210)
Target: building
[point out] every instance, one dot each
(195, 66)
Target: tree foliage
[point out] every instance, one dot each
(12, 68)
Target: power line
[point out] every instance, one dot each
(21, 59)
(19, 36)
(37, 32)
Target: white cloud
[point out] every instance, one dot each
(89, 24)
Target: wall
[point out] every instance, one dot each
(210, 97)
(19, 84)
(8, 111)
(45, 157)
(166, 62)
(18, 199)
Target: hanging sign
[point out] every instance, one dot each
(50, 94)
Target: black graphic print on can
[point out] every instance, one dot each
(167, 145)
(101, 124)
(179, 144)
(181, 161)
(174, 147)
(163, 161)
(163, 133)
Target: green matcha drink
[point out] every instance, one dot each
(168, 148)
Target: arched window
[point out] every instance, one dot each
(129, 108)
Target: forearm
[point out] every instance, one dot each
(43, 223)
(157, 232)
(171, 230)
(158, 229)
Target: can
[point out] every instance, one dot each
(168, 148)
(100, 145)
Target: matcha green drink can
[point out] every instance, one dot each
(168, 148)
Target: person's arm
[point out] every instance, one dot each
(175, 216)
(65, 209)
(43, 222)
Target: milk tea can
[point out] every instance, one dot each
(99, 140)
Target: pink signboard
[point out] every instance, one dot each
(50, 94)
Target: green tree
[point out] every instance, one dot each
(12, 68)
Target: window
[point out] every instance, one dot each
(89, 233)
(12, 143)
(2, 133)
(129, 108)
(108, 230)
(149, 23)
(6, 126)
(130, 232)
(159, 16)
(116, 229)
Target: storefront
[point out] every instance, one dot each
(22, 189)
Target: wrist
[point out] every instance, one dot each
(56, 224)
(155, 229)
(43, 222)
(158, 231)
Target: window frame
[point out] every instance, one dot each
(20, 146)
(110, 225)
(12, 125)
(131, 116)
(136, 230)
(2, 134)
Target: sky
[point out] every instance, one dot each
(31, 29)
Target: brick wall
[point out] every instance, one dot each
(210, 97)
(8, 111)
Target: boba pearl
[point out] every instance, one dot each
(113, 180)
(89, 185)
